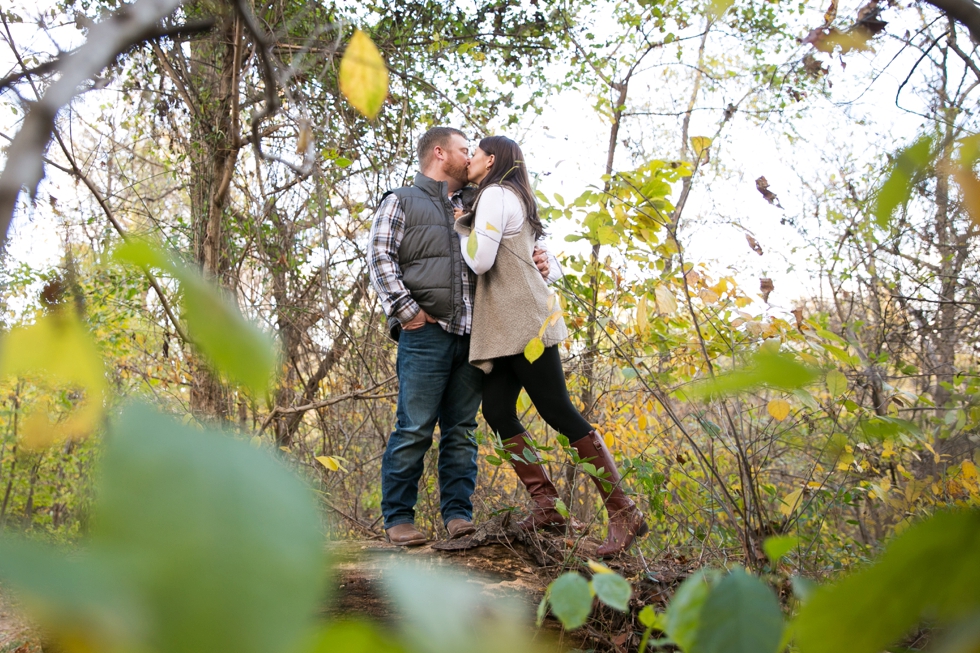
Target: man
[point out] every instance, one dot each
(426, 290)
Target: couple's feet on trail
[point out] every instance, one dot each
(626, 522)
(408, 535)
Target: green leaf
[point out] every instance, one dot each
(223, 541)
(534, 349)
(613, 590)
(683, 615)
(353, 637)
(143, 254)
(931, 571)
(804, 395)
(214, 545)
(803, 588)
(542, 611)
(71, 592)
(836, 383)
(493, 460)
(436, 610)
(882, 426)
(777, 547)
(231, 344)
(766, 368)
(896, 190)
(740, 615)
(647, 616)
(561, 508)
(571, 599)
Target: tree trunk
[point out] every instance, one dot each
(214, 79)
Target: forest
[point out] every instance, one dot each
(766, 213)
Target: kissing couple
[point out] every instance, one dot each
(455, 260)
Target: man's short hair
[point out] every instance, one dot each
(437, 136)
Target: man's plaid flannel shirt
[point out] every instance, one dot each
(386, 276)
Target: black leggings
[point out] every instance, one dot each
(544, 381)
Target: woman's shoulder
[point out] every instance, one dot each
(501, 193)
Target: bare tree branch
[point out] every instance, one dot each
(131, 25)
(966, 12)
(188, 28)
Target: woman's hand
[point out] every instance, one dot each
(458, 213)
(540, 257)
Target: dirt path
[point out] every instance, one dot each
(15, 635)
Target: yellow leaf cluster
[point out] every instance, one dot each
(57, 349)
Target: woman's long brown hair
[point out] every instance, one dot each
(509, 170)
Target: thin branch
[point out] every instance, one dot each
(358, 394)
(97, 194)
(187, 29)
(130, 26)
(965, 12)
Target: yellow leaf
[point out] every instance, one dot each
(969, 470)
(641, 422)
(554, 318)
(490, 228)
(642, 322)
(609, 438)
(533, 350)
(331, 462)
(666, 303)
(471, 245)
(363, 75)
(57, 349)
(700, 145)
(789, 503)
(551, 301)
(304, 138)
(779, 409)
(599, 568)
(523, 402)
(708, 296)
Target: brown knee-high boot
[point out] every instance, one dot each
(539, 486)
(625, 520)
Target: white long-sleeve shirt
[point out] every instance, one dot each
(499, 214)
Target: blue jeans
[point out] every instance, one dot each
(436, 383)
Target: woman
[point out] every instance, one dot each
(511, 306)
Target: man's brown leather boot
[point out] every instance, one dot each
(539, 486)
(459, 527)
(405, 535)
(625, 520)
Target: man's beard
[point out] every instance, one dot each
(457, 172)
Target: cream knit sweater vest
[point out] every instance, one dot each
(511, 303)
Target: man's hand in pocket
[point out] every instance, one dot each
(418, 321)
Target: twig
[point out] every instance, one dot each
(75, 170)
(187, 29)
(130, 26)
(358, 394)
